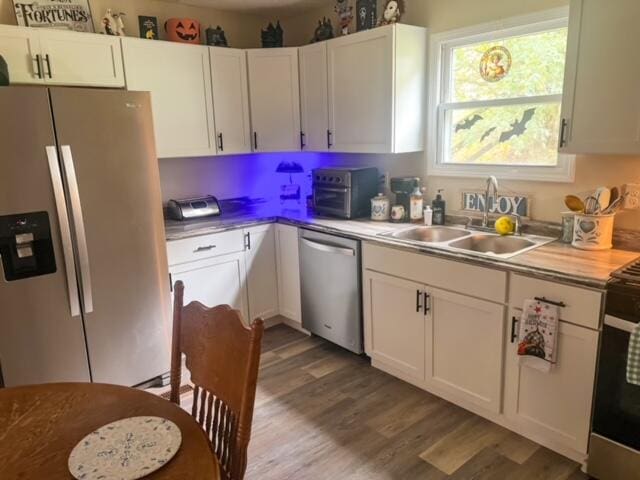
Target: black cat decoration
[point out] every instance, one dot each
(4, 73)
(216, 37)
(324, 30)
(272, 37)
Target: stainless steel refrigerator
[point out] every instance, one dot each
(84, 286)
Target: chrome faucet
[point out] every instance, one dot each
(492, 182)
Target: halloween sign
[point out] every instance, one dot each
(184, 30)
(65, 14)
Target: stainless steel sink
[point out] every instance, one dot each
(429, 234)
(494, 244)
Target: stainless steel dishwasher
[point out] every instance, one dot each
(331, 288)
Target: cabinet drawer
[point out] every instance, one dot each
(582, 305)
(205, 246)
(450, 275)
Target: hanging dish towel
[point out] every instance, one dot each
(538, 335)
(633, 357)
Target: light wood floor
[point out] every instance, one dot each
(324, 413)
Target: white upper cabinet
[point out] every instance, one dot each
(314, 101)
(179, 79)
(377, 84)
(230, 100)
(274, 99)
(601, 104)
(60, 57)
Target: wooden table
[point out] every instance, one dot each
(40, 425)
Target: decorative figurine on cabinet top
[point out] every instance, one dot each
(324, 30)
(366, 14)
(272, 37)
(112, 23)
(4, 73)
(148, 27)
(183, 30)
(345, 15)
(393, 11)
(216, 37)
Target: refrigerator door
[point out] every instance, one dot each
(41, 334)
(107, 149)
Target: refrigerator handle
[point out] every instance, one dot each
(65, 230)
(78, 222)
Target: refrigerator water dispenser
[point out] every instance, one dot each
(26, 248)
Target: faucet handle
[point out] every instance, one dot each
(518, 218)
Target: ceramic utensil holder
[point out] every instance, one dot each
(593, 232)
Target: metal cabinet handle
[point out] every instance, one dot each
(427, 303)
(65, 230)
(329, 142)
(39, 67)
(418, 298)
(563, 129)
(514, 334)
(78, 222)
(48, 62)
(204, 248)
(255, 140)
(329, 248)
(247, 242)
(302, 143)
(220, 142)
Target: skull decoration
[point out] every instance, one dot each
(184, 30)
(392, 12)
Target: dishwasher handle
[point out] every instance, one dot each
(323, 247)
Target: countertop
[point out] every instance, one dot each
(554, 261)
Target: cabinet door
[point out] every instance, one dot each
(179, 79)
(262, 285)
(288, 272)
(216, 281)
(20, 47)
(599, 38)
(82, 59)
(395, 323)
(230, 99)
(314, 101)
(555, 405)
(464, 347)
(274, 99)
(361, 91)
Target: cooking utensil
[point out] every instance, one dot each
(591, 205)
(614, 206)
(615, 193)
(603, 195)
(574, 203)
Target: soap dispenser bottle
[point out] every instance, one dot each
(438, 206)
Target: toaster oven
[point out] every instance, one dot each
(344, 192)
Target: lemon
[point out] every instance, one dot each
(504, 226)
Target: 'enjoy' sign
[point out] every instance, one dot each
(503, 205)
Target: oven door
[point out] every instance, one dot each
(334, 201)
(617, 405)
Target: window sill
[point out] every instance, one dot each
(564, 172)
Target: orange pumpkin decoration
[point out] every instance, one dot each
(184, 30)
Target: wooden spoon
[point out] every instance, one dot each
(574, 203)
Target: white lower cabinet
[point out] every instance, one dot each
(288, 272)
(395, 323)
(464, 342)
(554, 406)
(260, 257)
(215, 281)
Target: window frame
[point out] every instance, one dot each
(441, 45)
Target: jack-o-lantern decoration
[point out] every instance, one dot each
(185, 30)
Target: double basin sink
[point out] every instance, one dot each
(469, 241)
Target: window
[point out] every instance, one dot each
(497, 94)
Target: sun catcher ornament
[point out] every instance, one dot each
(495, 64)
(184, 30)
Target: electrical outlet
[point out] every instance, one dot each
(632, 199)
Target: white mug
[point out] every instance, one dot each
(397, 213)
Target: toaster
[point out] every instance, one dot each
(189, 208)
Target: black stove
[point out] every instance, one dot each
(629, 274)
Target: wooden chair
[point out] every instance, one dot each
(223, 357)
